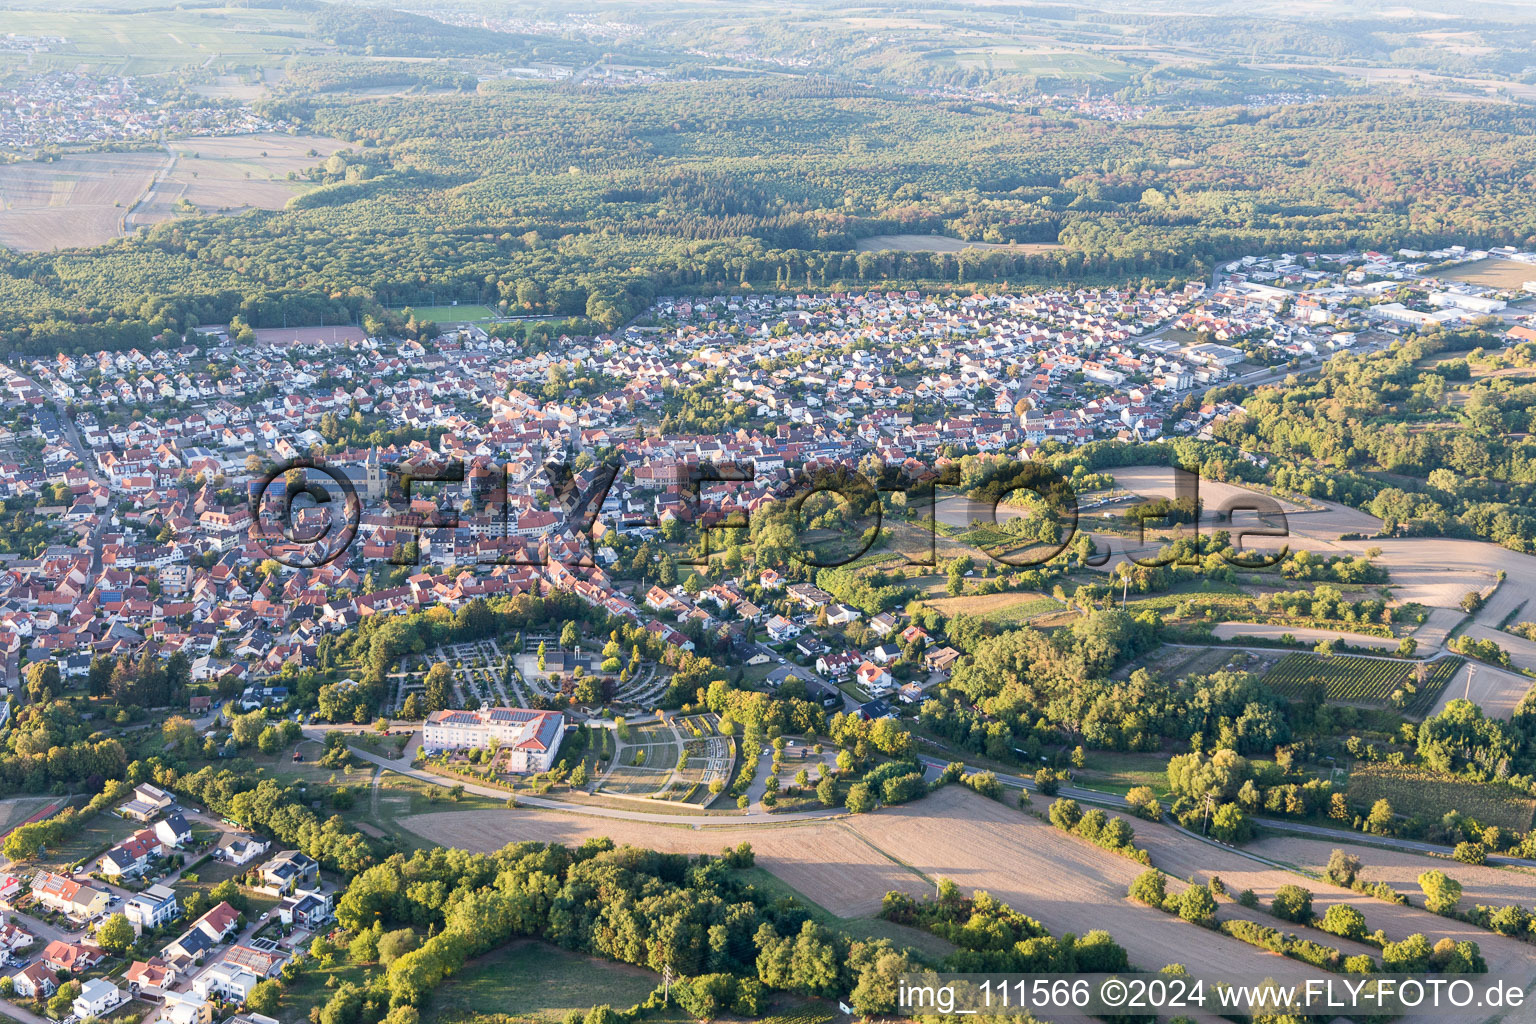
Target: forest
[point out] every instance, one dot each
(538, 197)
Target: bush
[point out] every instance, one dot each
(984, 783)
(1248, 898)
(1471, 853)
(1149, 887)
(1342, 869)
(1345, 921)
(1066, 813)
(860, 798)
(1198, 905)
(1441, 892)
(1144, 803)
(1292, 903)
(1360, 963)
(1047, 781)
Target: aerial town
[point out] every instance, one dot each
(611, 513)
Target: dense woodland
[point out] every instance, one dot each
(555, 198)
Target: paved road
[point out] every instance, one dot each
(87, 460)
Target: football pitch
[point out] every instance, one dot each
(462, 313)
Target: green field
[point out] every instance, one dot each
(1361, 680)
(533, 981)
(144, 42)
(461, 313)
(1423, 794)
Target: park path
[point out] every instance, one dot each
(524, 800)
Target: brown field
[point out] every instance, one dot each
(75, 200)
(827, 861)
(227, 174)
(1494, 886)
(87, 198)
(1064, 883)
(1493, 272)
(1182, 857)
(942, 243)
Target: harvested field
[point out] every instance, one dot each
(1497, 691)
(827, 861)
(1492, 272)
(942, 243)
(1181, 857)
(87, 198)
(1494, 886)
(1064, 883)
(230, 173)
(73, 201)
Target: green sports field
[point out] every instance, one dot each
(452, 314)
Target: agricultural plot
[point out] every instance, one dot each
(1494, 273)
(231, 173)
(75, 200)
(1430, 796)
(1354, 680)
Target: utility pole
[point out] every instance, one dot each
(666, 983)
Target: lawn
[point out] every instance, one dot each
(1112, 772)
(538, 982)
(99, 833)
(452, 314)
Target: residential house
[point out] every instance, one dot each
(243, 850)
(264, 963)
(781, 629)
(97, 997)
(37, 981)
(225, 981)
(147, 802)
(151, 977)
(206, 932)
(71, 956)
(306, 909)
(290, 869)
(173, 831)
(873, 679)
(152, 908)
(942, 661)
(186, 1008)
(130, 858)
(69, 897)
